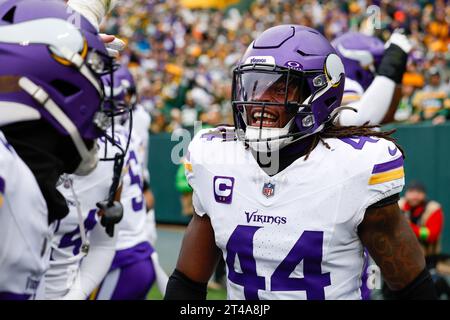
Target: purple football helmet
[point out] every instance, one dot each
(287, 86)
(120, 91)
(52, 62)
(126, 79)
(361, 55)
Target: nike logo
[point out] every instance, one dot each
(392, 152)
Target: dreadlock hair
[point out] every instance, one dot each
(338, 131)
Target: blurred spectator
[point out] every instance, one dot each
(184, 189)
(180, 50)
(426, 219)
(405, 107)
(212, 117)
(190, 112)
(425, 216)
(432, 102)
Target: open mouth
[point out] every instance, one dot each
(270, 117)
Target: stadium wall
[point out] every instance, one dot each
(427, 150)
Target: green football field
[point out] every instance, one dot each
(220, 294)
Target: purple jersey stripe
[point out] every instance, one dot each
(2, 185)
(386, 166)
(13, 296)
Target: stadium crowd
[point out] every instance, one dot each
(183, 58)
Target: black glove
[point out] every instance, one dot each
(112, 215)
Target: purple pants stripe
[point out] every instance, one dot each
(132, 255)
(131, 282)
(13, 296)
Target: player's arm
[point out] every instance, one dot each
(196, 262)
(95, 265)
(379, 102)
(97, 262)
(93, 10)
(390, 241)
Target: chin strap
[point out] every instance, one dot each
(84, 242)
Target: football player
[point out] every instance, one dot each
(141, 123)
(140, 126)
(290, 197)
(82, 251)
(135, 266)
(51, 113)
(374, 73)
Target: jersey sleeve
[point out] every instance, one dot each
(7, 158)
(194, 170)
(384, 175)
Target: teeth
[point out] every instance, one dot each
(266, 115)
(257, 123)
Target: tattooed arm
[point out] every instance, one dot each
(395, 249)
(392, 244)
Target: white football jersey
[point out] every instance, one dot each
(141, 125)
(293, 235)
(132, 227)
(353, 91)
(66, 252)
(24, 231)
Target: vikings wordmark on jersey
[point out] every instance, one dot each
(303, 236)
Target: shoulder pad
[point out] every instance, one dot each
(222, 132)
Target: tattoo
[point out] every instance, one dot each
(392, 244)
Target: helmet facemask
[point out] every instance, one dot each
(116, 109)
(267, 101)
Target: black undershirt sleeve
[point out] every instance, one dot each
(421, 288)
(180, 287)
(386, 201)
(393, 64)
(146, 185)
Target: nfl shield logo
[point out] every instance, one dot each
(268, 189)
